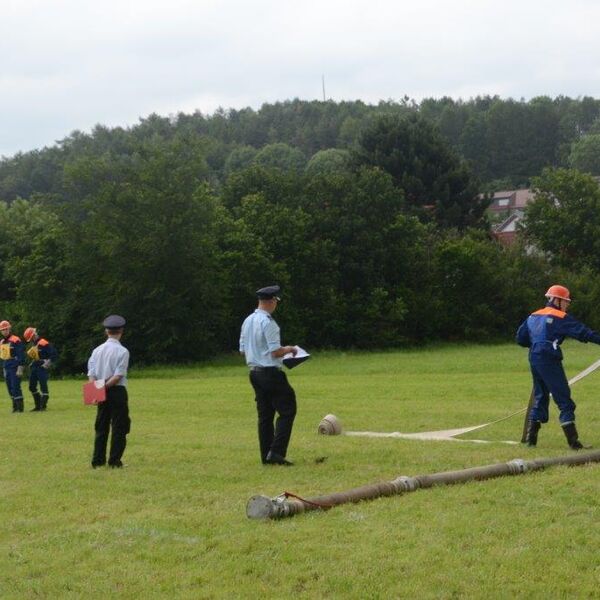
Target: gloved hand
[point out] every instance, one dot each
(46, 364)
(20, 371)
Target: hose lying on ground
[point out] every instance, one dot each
(330, 425)
(286, 505)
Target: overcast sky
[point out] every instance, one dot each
(70, 64)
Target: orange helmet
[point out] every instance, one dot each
(29, 333)
(559, 291)
(5, 325)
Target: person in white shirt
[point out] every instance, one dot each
(260, 342)
(109, 362)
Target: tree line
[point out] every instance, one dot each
(506, 142)
(382, 244)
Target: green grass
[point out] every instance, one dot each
(173, 524)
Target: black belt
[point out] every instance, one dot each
(265, 368)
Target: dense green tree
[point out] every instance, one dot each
(564, 218)
(30, 230)
(584, 286)
(595, 127)
(473, 144)
(450, 116)
(373, 250)
(281, 156)
(349, 132)
(506, 123)
(433, 178)
(540, 136)
(26, 173)
(285, 255)
(277, 186)
(326, 162)
(346, 255)
(142, 242)
(37, 274)
(479, 277)
(585, 154)
(241, 157)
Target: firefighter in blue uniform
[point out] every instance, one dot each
(12, 355)
(42, 354)
(543, 332)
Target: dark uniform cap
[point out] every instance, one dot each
(266, 293)
(114, 322)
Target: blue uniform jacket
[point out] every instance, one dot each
(545, 330)
(14, 352)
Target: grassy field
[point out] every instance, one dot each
(173, 524)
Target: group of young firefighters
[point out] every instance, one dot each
(13, 356)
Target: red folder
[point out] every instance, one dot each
(94, 392)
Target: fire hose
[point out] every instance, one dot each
(287, 504)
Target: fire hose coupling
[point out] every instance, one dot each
(407, 484)
(517, 465)
(262, 507)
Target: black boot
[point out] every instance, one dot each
(20, 405)
(276, 459)
(15, 409)
(37, 400)
(532, 433)
(44, 402)
(572, 436)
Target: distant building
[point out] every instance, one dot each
(505, 211)
(505, 203)
(506, 231)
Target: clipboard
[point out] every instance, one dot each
(94, 392)
(291, 361)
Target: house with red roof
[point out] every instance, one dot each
(505, 211)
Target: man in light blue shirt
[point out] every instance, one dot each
(260, 342)
(109, 362)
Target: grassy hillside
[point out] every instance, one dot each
(172, 523)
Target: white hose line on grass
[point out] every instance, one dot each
(447, 435)
(584, 373)
(331, 425)
(438, 436)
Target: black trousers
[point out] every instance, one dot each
(274, 395)
(113, 412)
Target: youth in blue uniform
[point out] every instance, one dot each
(543, 332)
(42, 354)
(12, 355)
(260, 342)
